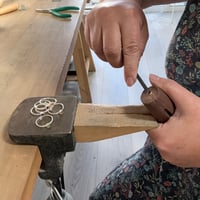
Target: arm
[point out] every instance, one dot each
(117, 32)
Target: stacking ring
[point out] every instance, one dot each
(41, 106)
(40, 121)
(33, 111)
(48, 100)
(45, 108)
(53, 109)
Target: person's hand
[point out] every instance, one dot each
(178, 140)
(117, 32)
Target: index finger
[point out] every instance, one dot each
(131, 51)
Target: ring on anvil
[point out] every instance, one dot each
(40, 121)
(41, 106)
(33, 111)
(48, 100)
(45, 103)
(53, 109)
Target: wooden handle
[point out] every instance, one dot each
(158, 103)
(9, 8)
(97, 122)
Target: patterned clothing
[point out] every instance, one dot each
(183, 57)
(145, 175)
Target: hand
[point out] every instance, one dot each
(117, 32)
(178, 140)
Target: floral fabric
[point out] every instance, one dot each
(183, 57)
(145, 175)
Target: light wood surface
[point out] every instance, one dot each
(36, 49)
(83, 63)
(98, 122)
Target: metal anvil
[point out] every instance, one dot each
(79, 122)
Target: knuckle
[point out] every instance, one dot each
(100, 54)
(102, 12)
(111, 52)
(168, 85)
(96, 46)
(131, 49)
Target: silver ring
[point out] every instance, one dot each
(49, 100)
(40, 106)
(33, 111)
(39, 121)
(60, 111)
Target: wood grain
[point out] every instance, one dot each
(36, 49)
(84, 64)
(97, 122)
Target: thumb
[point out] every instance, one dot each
(175, 91)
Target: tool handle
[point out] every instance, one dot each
(64, 8)
(61, 15)
(9, 8)
(158, 103)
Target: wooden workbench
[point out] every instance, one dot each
(35, 52)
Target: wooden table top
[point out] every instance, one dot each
(35, 50)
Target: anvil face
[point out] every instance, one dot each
(23, 130)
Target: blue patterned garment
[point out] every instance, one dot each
(145, 175)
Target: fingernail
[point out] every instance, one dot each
(129, 81)
(153, 77)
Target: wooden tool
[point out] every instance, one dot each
(157, 102)
(97, 122)
(9, 8)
